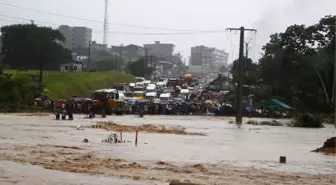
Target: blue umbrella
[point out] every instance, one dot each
(190, 102)
(131, 101)
(141, 101)
(164, 102)
(249, 108)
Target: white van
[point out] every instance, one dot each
(151, 95)
(150, 88)
(165, 96)
(185, 92)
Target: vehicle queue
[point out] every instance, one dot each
(167, 96)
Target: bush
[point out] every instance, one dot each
(307, 120)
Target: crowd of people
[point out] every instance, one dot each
(195, 102)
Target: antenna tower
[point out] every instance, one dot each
(105, 37)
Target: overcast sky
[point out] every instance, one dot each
(267, 16)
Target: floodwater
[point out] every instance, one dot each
(225, 145)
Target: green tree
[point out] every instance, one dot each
(25, 45)
(250, 72)
(139, 68)
(16, 91)
(298, 64)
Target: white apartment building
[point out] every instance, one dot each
(206, 60)
(76, 37)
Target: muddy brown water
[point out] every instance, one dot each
(252, 150)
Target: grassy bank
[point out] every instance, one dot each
(64, 84)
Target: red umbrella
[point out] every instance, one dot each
(37, 99)
(95, 101)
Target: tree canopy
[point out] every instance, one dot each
(298, 65)
(17, 91)
(251, 71)
(139, 68)
(25, 45)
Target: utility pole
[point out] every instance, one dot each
(121, 57)
(153, 65)
(247, 48)
(146, 57)
(115, 61)
(41, 69)
(89, 55)
(151, 60)
(239, 116)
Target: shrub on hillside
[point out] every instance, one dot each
(307, 120)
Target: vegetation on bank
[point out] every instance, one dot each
(64, 84)
(16, 92)
(297, 66)
(307, 120)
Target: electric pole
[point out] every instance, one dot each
(146, 58)
(247, 48)
(153, 66)
(121, 58)
(239, 116)
(41, 69)
(151, 60)
(89, 55)
(115, 61)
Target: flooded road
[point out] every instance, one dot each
(225, 155)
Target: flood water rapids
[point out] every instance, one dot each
(250, 146)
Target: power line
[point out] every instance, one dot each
(96, 21)
(10, 20)
(124, 32)
(24, 19)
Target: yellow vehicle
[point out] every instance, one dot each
(139, 95)
(187, 76)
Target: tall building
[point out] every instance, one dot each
(76, 37)
(220, 57)
(159, 49)
(205, 59)
(130, 53)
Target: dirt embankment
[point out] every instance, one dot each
(329, 147)
(161, 129)
(78, 160)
